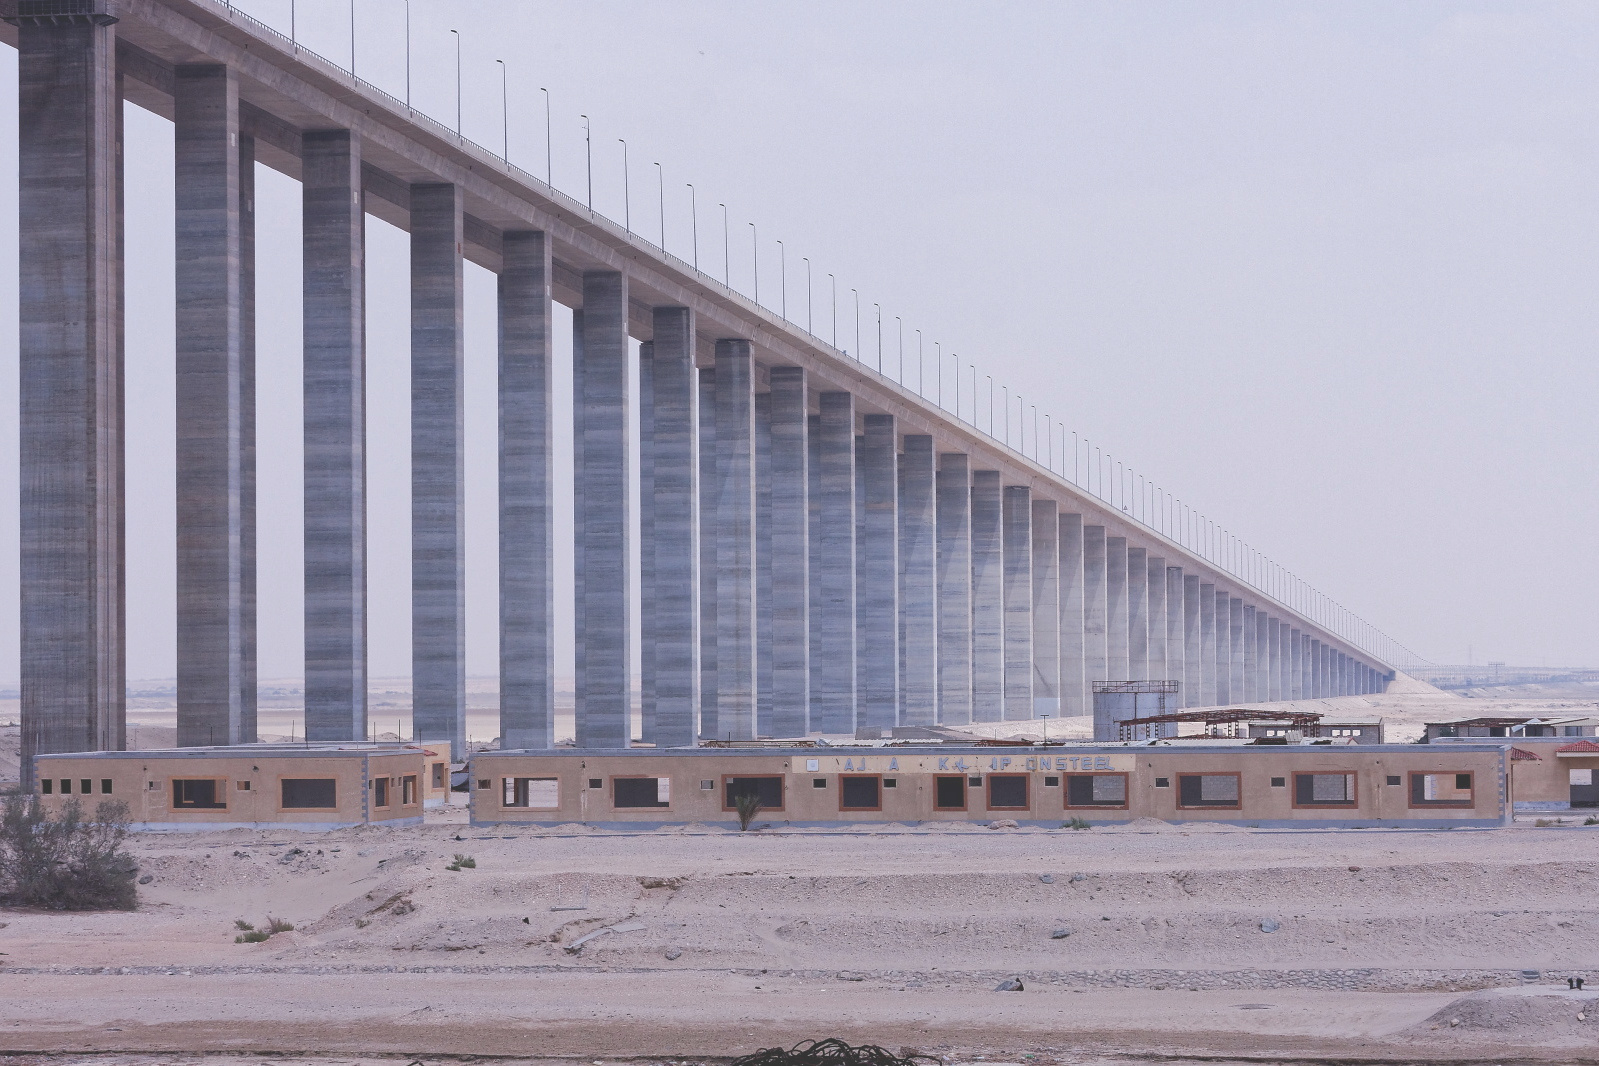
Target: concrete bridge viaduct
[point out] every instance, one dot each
(823, 548)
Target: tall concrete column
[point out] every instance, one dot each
(1274, 643)
(833, 705)
(1096, 613)
(1176, 648)
(1156, 615)
(1046, 609)
(1016, 535)
(1224, 648)
(1262, 672)
(708, 490)
(671, 549)
(70, 355)
(1193, 644)
(335, 435)
(438, 468)
(988, 598)
(814, 597)
(527, 532)
(209, 372)
(1212, 679)
(763, 565)
(1251, 680)
(1238, 685)
(1118, 626)
(735, 540)
(1291, 690)
(1316, 692)
(604, 667)
(918, 589)
(247, 509)
(1138, 615)
(789, 635)
(954, 589)
(1073, 685)
(646, 535)
(878, 620)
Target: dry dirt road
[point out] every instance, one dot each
(1145, 941)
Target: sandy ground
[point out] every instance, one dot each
(719, 943)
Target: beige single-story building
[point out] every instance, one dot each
(254, 786)
(1549, 773)
(1238, 782)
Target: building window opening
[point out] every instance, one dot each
(538, 793)
(859, 792)
(975, 782)
(707, 786)
(629, 792)
(1395, 779)
(408, 790)
(890, 782)
(240, 786)
(105, 786)
(66, 786)
(1279, 782)
(380, 792)
(1096, 790)
(1440, 790)
(1207, 790)
(438, 775)
(819, 782)
(949, 793)
(484, 784)
(310, 793)
(1007, 792)
(85, 786)
(47, 786)
(1324, 790)
(596, 782)
(1051, 782)
(197, 794)
(769, 790)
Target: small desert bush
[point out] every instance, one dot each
(749, 807)
(462, 862)
(278, 925)
(68, 862)
(1076, 823)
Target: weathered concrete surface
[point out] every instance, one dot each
(209, 377)
(763, 561)
(833, 702)
(790, 636)
(1138, 615)
(735, 541)
(1074, 698)
(954, 589)
(706, 400)
(674, 502)
(878, 619)
(988, 599)
(70, 348)
(1016, 534)
(1117, 660)
(527, 523)
(1155, 591)
(247, 510)
(646, 532)
(1046, 609)
(918, 590)
(335, 437)
(604, 667)
(438, 468)
(1096, 610)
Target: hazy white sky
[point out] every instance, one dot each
(1324, 270)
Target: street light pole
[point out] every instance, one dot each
(921, 367)
(755, 261)
(660, 185)
(879, 337)
(588, 149)
(457, 84)
(835, 309)
(549, 155)
(858, 358)
(694, 222)
(808, 307)
(408, 55)
(727, 255)
(505, 117)
(627, 192)
(782, 276)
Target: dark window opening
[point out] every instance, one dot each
(975, 782)
(536, 792)
(890, 782)
(380, 792)
(47, 786)
(769, 790)
(407, 790)
(1007, 792)
(707, 786)
(438, 775)
(1440, 790)
(1279, 782)
(1163, 782)
(197, 794)
(310, 793)
(1394, 779)
(85, 786)
(1324, 790)
(641, 792)
(66, 786)
(1051, 782)
(859, 792)
(818, 782)
(949, 794)
(1207, 790)
(595, 782)
(483, 784)
(1096, 790)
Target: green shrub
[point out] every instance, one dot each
(278, 925)
(749, 807)
(462, 862)
(254, 936)
(1076, 823)
(66, 862)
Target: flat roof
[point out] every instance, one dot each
(1184, 746)
(247, 751)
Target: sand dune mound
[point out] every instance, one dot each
(1531, 1017)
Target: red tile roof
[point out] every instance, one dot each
(1584, 746)
(1523, 755)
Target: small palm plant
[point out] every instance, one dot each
(748, 805)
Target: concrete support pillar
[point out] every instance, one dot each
(601, 518)
(1212, 679)
(438, 468)
(1176, 647)
(988, 598)
(1275, 631)
(1016, 533)
(918, 589)
(789, 635)
(1291, 663)
(1251, 681)
(1237, 682)
(1118, 627)
(70, 355)
(1224, 648)
(1316, 692)
(335, 435)
(1138, 615)
(1262, 678)
(209, 375)
(878, 620)
(1156, 614)
(1046, 609)
(673, 632)
(1193, 644)
(1073, 685)
(815, 599)
(247, 510)
(833, 704)
(954, 589)
(735, 541)
(707, 551)
(763, 564)
(1096, 613)
(646, 533)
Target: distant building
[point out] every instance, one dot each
(1513, 727)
